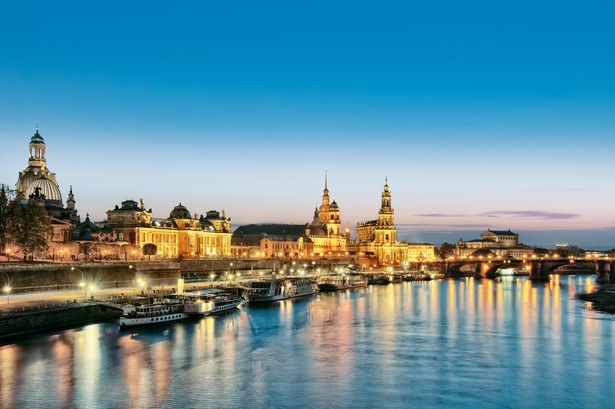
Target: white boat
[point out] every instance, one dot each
(277, 289)
(336, 282)
(156, 313)
(209, 302)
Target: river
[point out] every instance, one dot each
(464, 343)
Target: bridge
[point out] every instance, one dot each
(539, 268)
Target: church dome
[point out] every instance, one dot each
(180, 212)
(37, 138)
(47, 187)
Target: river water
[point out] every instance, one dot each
(464, 343)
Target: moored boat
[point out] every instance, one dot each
(573, 269)
(341, 282)
(378, 279)
(210, 302)
(277, 289)
(155, 313)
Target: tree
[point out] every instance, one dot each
(447, 249)
(4, 215)
(28, 226)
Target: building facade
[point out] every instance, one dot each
(377, 244)
(494, 243)
(38, 183)
(322, 238)
(180, 235)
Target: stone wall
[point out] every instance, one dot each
(31, 277)
(26, 322)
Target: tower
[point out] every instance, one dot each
(37, 174)
(387, 232)
(324, 206)
(329, 213)
(70, 201)
(37, 151)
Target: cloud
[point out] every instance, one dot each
(555, 189)
(532, 214)
(440, 215)
(440, 227)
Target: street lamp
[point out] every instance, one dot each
(82, 282)
(7, 291)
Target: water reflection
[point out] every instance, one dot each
(460, 343)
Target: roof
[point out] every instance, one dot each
(180, 212)
(484, 252)
(204, 292)
(37, 138)
(294, 230)
(501, 232)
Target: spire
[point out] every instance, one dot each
(326, 188)
(70, 201)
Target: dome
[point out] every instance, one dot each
(206, 225)
(37, 138)
(47, 187)
(334, 205)
(180, 212)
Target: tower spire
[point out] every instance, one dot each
(326, 187)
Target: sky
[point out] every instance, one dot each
(480, 113)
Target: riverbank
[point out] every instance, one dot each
(56, 317)
(602, 300)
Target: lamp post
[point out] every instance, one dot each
(8, 254)
(7, 291)
(82, 282)
(7, 288)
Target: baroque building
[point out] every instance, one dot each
(180, 235)
(325, 230)
(377, 244)
(494, 243)
(38, 183)
(322, 238)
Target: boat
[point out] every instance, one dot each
(378, 279)
(416, 276)
(396, 278)
(156, 313)
(573, 269)
(276, 289)
(341, 282)
(210, 302)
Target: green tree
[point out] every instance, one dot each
(28, 227)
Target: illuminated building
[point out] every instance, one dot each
(180, 235)
(38, 183)
(499, 243)
(325, 231)
(377, 244)
(322, 238)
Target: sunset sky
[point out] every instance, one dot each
(480, 113)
